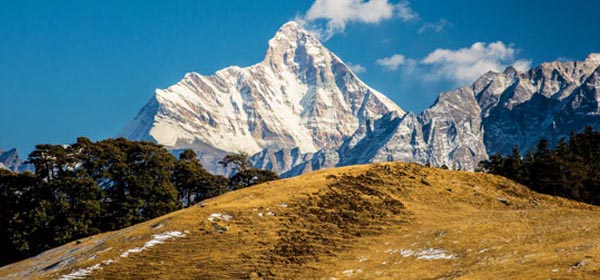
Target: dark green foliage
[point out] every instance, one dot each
(193, 182)
(18, 198)
(135, 178)
(70, 209)
(218, 186)
(80, 190)
(239, 160)
(570, 170)
(90, 187)
(246, 175)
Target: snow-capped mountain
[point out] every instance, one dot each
(447, 134)
(549, 101)
(303, 109)
(494, 114)
(300, 96)
(10, 160)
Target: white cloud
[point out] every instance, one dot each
(393, 62)
(467, 64)
(435, 26)
(461, 66)
(405, 12)
(337, 13)
(357, 68)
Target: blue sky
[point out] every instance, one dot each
(85, 68)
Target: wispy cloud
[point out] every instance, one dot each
(338, 13)
(459, 66)
(435, 26)
(357, 68)
(405, 12)
(391, 63)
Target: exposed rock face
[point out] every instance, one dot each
(548, 101)
(302, 109)
(449, 133)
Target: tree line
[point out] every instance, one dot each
(570, 170)
(90, 187)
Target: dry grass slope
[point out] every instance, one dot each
(380, 221)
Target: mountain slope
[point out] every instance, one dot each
(380, 221)
(549, 101)
(495, 113)
(300, 96)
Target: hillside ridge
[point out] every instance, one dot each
(377, 221)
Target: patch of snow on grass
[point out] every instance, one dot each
(407, 253)
(283, 205)
(426, 254)
(156, 239)
(158, 226)
(433, 254)
(351, 272)
(219, 216)
(81, 273)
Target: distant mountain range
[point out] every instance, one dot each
(10, 160)
(303, 109)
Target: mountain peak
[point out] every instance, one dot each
(291, 25)
(292, 28)
(292, 44)
(593, 58)
(300, 96)
(291, 33)
(511, 71)
(12, 161)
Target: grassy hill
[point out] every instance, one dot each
(379, 221)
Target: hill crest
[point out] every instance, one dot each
(367, 222)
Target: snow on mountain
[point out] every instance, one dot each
(300, 96)
(449, 133)
(464, 126)
(549, 101)
(302, 109)
(10, 160)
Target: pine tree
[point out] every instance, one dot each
(191, 179)
(246, 175)
(570, 170)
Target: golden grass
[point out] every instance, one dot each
(352, 223)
